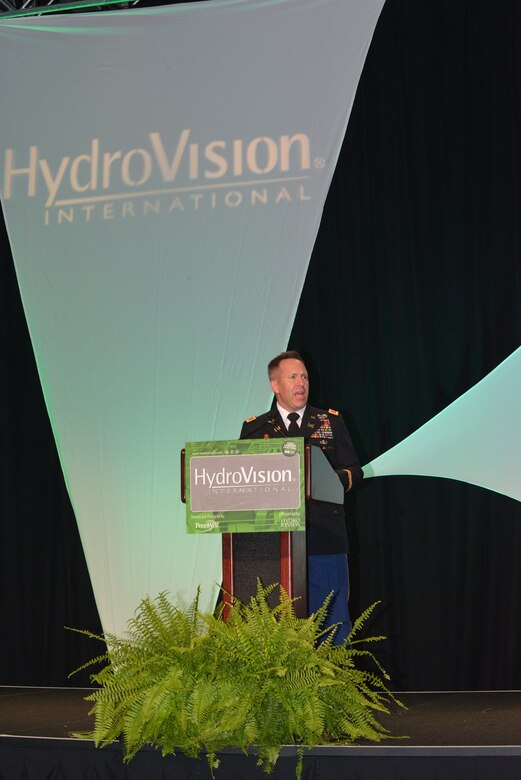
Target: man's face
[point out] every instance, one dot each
(290, 384)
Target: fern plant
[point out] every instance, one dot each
(182, 680)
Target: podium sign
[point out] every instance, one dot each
(247, 485)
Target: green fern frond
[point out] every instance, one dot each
(362, 619)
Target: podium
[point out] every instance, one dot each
(266, 551)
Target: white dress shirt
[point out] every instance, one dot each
(284, 414)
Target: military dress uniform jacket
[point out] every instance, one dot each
(326, 533)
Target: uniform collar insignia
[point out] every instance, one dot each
(273, 421)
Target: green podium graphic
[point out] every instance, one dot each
(248, 489)
(245, 486)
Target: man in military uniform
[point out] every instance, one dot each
(326, 527)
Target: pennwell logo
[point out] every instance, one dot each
(165, 175)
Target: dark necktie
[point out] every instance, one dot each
(293, 428)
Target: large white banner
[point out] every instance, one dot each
(163, 174)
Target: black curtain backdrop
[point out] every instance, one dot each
(412, 296)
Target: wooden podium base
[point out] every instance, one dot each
(272, 557)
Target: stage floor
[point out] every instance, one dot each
(449, 735)
(435, 719)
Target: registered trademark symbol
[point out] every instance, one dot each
(319, 162)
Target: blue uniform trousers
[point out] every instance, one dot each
(326, 574)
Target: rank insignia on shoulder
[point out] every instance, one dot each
(333, 411)
(251, 419)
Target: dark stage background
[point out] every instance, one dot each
(412, 296)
